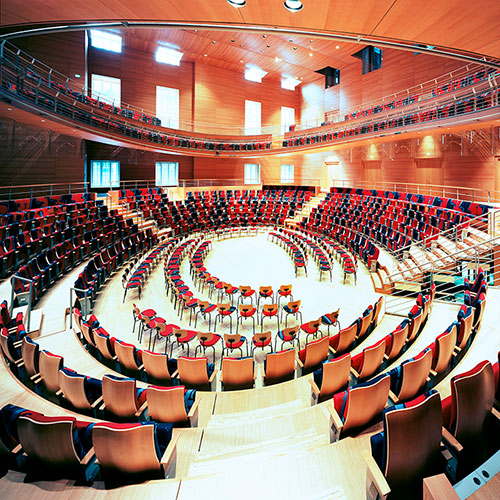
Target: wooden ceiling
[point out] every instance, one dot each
(458, 24)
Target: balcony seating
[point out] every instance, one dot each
(332, 377)
(237, 374)
(122, 398)
(196, 373)
(312, 356)
(176, 405)
(279, 367)
(369, 361)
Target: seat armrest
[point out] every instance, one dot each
(433, 373)
(439, 488)
(376, 484)
(450, 440)
(36, 378)
(315, 392)
(175, 374)
(331, 350)
(97, 402)
(495, 413)
(169, 458)
(18, 344)
(336, 425)
(193, 414)
(88, 457)
(212, 380)
(393, 397)
(354, 373)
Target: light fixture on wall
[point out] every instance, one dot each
(237, 3)
(293, 5)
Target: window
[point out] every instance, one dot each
(167, 173)
(252, 173)
(287, 118)
(106, 89)
(252, 117)
(254, 74)
(289, 83)
(167, 106)
(104, 174)
(105, 40)
(287, 174)
(168, 56)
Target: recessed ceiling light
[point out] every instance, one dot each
(214, 42)
(268, 46)
(241, 45)
(310, 54)
(295, 48)
(205, 55)
(337, 47)
(264, 36)
(277, 59)
(10, 109)
(77, 75)
(237, 3)
(232, 41)
(241, 61)
(293, 5)
(196, 31)
(43, 120)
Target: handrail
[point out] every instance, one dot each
(30, 296)
(33, 190)
(71, 307)
(423, 89)
(448, 256)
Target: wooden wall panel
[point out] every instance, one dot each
(220, 94)
(140, 74)
(29, 155)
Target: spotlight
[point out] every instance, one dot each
(237, 3)
(293, 5)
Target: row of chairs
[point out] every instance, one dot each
(298, 256)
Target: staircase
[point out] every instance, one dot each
(136, 216)
(305, 211)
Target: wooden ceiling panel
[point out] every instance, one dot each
(462, 24)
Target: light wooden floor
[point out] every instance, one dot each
(268, 437)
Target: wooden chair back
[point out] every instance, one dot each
(286, 289)
(102, 344)
(245, 308)
(263, 337)
(48, 442)
(398, 341)
(125, 354)
(294, 304)
(366, 402)
(203, 304)
(4, 341)
(377, 309)
(49, 370)
(373, 356)
(237, 373)
(365, 323)
(291, 331)
(120, 396)
(265, 290)
(445, 346)
(415, 375)
(316, 353)
(413, 437)
(87, 332)
(223, 307)
(415, 325)
(193, 372)
(270, 309)
(344, 339)
(478, 315)
(155, 365)
(73, 388)
(465, 330)
(335, 376)
(77, 319)
(166, 404)
(127, 450)
(280, 366)
(245, 289)
(30, 354)
(473, 396)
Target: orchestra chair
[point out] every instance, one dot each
(197, 373)
(246, 311)
(265, 292)
(237, 373)
(246, 292)
(290, 334)
(127, 452)
(176, 405)
(284, 291)
(205, 308)
(332, 377)
(261, 341)
(234, 341)
(407, 450)
(279, 367)
(182, 337)
(292, 308)
(207, 339)
(331, 319)
(311, 328)
(358, 406)
(312, 356)
(270, 310)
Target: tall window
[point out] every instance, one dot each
(168, 56)
(287, 118)
(105, 40)
(252, 117)
(167, 106)
(252, 173)
(107, 89)
(287, 174)
(167, 173)
(104, 174)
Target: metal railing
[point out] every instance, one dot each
(85, 303)
(35, 190)
(428, 94)
(14, 294)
